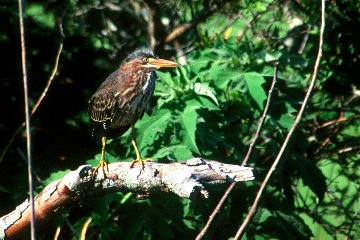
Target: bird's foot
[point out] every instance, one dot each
(103, 165)
(141, 161)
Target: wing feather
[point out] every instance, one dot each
(104, 104)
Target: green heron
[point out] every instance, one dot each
(121, 99)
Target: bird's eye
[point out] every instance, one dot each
(145, 60)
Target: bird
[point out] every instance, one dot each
(121, 99)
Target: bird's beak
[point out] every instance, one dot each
(162, 63)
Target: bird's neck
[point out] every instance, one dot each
(141, 79)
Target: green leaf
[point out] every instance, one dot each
(298, 61)
(222, 76)
(265, 56)
(319, 230)
(182, 153)
(150, 128)
(37, 12)
(265, 215)
(254, 83)
(165, 77)
(286, 121)
(293, 225)
(312, 176)
(176, 153)
(56, 176)
(200, 102)
(201, 89)
(188, 122)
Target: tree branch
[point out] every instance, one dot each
(184, 179)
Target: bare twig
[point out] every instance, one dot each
(262, 120)
(215, 212)
(232, 185)
(37, 177)
(329, 136)
(184, 179)
(178, 31)
(51, 78)
(37, 104)
(252, 211)
(337, 121)
(71, 227)
(184, 27)
(347, 149)
(230, 22)
(27, 118)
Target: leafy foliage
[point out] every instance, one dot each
(209, 107)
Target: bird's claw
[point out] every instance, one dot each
(103, 165)
(142, 161)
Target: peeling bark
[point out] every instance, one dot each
(184, 179)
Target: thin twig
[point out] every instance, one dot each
(27, 118)
(71, 227)
(347, 149)
(329, 136)
(252, 211)
(230, 22)
(53, 73)
(37, 104)
(338, 121)
(215, 211)
(232, 185)
(262, 120)
(36, 176)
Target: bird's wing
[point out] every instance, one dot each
(102, 106)
(104, 103)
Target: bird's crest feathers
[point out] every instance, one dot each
(140, 52)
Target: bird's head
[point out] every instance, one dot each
(145, 60)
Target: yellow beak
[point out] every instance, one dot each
(162, 63)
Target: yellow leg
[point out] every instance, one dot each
(102, 164)
(138, 157)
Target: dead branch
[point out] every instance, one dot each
(184, 179)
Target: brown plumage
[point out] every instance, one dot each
(121, 99)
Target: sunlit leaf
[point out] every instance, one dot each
(56, 176)
(150, 128)
(201, 89)
(254, 82)
(293, 225)
(312, 176)
(38, 12)
(188, 122)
